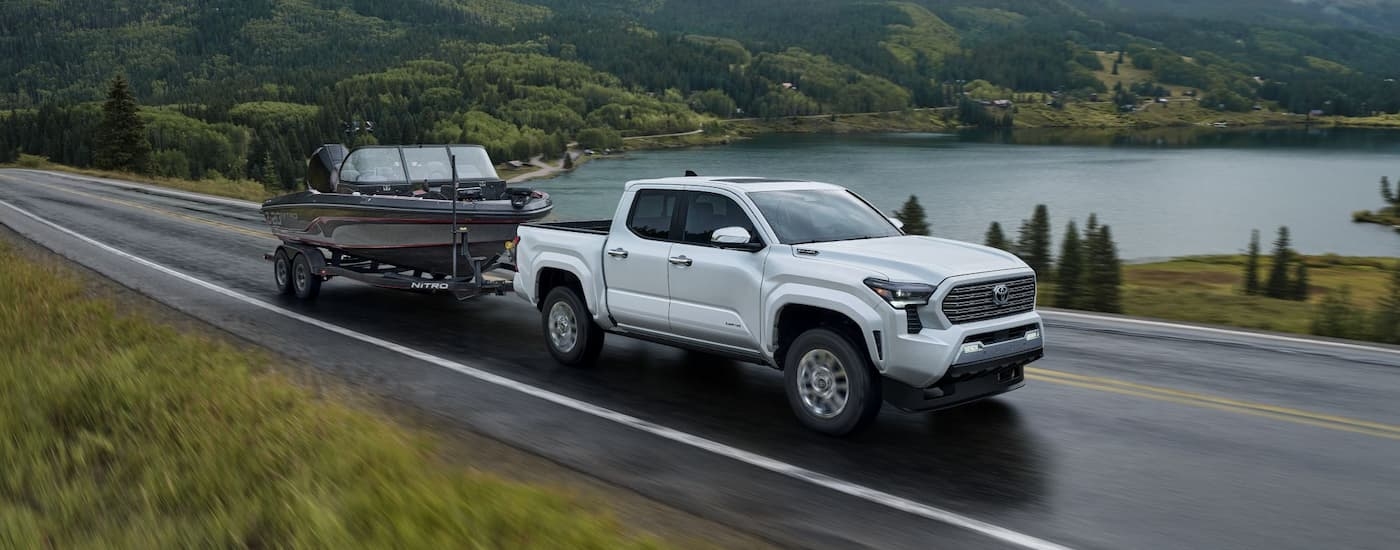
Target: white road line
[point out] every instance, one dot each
(753, 459)
(149, 189)
(1045, 313)
(1221, 331)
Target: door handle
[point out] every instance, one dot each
(682, 261)
(617, 253)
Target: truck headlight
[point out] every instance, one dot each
(902, 295)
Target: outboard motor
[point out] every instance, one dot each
(322, 171)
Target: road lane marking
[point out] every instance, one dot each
(149, 208)
(1310, 419)
(825, 481)
(1045, 313)
(1219, 400)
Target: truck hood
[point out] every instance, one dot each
(914, 259)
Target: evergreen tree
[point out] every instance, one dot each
(1387, 322)
(1300, 282)
(1092, 226)
(1279, 286)
(913, 216)
(1070, 275)
(1338, 318)
(1033, 246)
(996, 238)
(1103, 273)
(121, 137)
(568, 160)
(1392, 198)
(1251, 266)
(1115, 68)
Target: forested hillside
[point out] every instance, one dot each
(247, 88)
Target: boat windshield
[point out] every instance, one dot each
(416, 164)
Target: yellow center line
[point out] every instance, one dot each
(149, 208)
(1286, 414)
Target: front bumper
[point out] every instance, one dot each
(964, 383)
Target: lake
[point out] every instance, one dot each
(1169, 192)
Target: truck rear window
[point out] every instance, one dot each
(652, 213)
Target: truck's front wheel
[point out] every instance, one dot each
(569, 332)
(830, 384)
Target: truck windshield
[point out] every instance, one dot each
(816, 216)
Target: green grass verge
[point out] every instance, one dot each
(1207, 289)
(121, 432)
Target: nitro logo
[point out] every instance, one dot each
(430, 286)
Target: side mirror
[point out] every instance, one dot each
(734, 237)
(897, 224)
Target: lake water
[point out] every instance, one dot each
(1165, 193)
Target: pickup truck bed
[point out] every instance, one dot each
(600, 227)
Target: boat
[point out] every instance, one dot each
(405, 205)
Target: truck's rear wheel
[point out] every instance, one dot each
(569, 332)
(830, 383)
(282, 272)
(305, 282)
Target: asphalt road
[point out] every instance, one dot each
(1128, 435)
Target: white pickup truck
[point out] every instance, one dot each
(805, 277)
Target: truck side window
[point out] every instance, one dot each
(652, 214)
(707, 212)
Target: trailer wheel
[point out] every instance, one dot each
(282, 273)
(569, 332)
(306, 284)
(830, 384)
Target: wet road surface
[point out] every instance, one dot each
(1128, 434)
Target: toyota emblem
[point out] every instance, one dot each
(1001, 295)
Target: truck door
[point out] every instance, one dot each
(636, 261)
(715, 289)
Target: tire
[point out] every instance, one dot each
(282, 273)
(569, 331)
(305, 284)
(830, 384)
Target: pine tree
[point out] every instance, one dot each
(1070, 275)
(268, 172)
(1279, 286)
(1338, 318)
(1251, 266)
(1300, 282)
(1387, 322)
(1391, 197)
(1115, 68)
(996, 238)
(913, 216)
(1033, 246)
(121, 137)
(1103, 276)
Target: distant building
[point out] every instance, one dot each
(515, 164)
(1003, 103)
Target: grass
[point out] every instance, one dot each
(1130, 75)
(237, 189)
(1207, 289)
(121, 432)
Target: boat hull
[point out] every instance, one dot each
(403, 231)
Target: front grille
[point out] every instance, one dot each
(975, 302)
